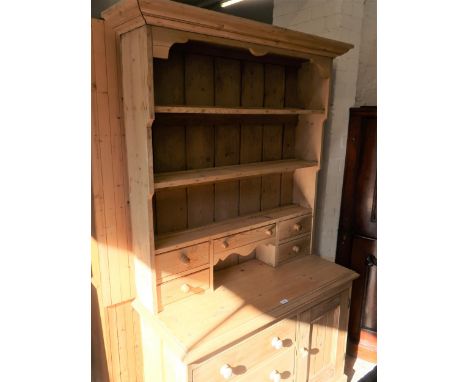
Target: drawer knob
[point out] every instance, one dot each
(276, 343)
(225, 244)
(275, 376)
(296, 249)
(226, 371)
(185, 288)
(269, 232)
(184, 258)
(304, 352)
(297, 227)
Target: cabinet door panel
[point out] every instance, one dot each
(322, 340)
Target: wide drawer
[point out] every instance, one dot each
(242, 238)
(294, 248)
(245, 356)
(185, 286)
(283, 366)
(294, 227)
(170, 263)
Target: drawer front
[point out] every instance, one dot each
(294, 248)
(243, 238)
(245, 356)
(294, 227)
(170, 263)
(282, 365)
(185, 286)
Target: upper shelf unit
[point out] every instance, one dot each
(233, 111)
(223, 173)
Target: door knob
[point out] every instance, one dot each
(185, 288)
(276, 343)
(184, 258)
(275, 376)
(226, 371)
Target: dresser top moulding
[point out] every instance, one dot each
(209, 25)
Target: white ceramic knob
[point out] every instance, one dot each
(296, 249)
(269, 232)
(297, 227)
(185, 288)
(226, 371)
(184, 258)
(304, 352)
(275, 376)
(276, 343)
(225, 244)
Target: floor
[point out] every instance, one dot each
(356, 368)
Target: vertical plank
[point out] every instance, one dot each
(200, 154)
(251, 136)
(227, 137)
(290, 87)
(272, 150)
(328, 338)
(199, 90)
(169, 155)
(169, 144)
(289, 132)
(169, 80)
(119, 166)
(272, 135)
(107, 225)
(138, 105)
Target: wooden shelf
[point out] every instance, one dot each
(232, 111)
(179, 239)
(223, 173)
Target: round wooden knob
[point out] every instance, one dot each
(185, 288)
(184, 258)
(296, 249)
(304, 352)
(226, 371)
(269, 232)
(275, 376)
(225, 244)
(276, 343)
(297, 227)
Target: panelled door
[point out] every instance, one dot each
(357, 233)
(322, 340)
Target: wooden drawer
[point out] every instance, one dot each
(185, 286)
(170, 263)
(245, 356)
(294, 227)
(294, 248)
(243, 238)
(282, 365)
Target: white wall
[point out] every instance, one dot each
(345, 20)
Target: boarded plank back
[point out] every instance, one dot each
(169, 144)
(227, 137)
(251, 136)
(199, 90)
(272, 135)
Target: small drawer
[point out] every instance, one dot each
(185, 286)
(294, 248)
(243, 238)
(240, 359)
(279, 368)
(294, 227)
(170, 263)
